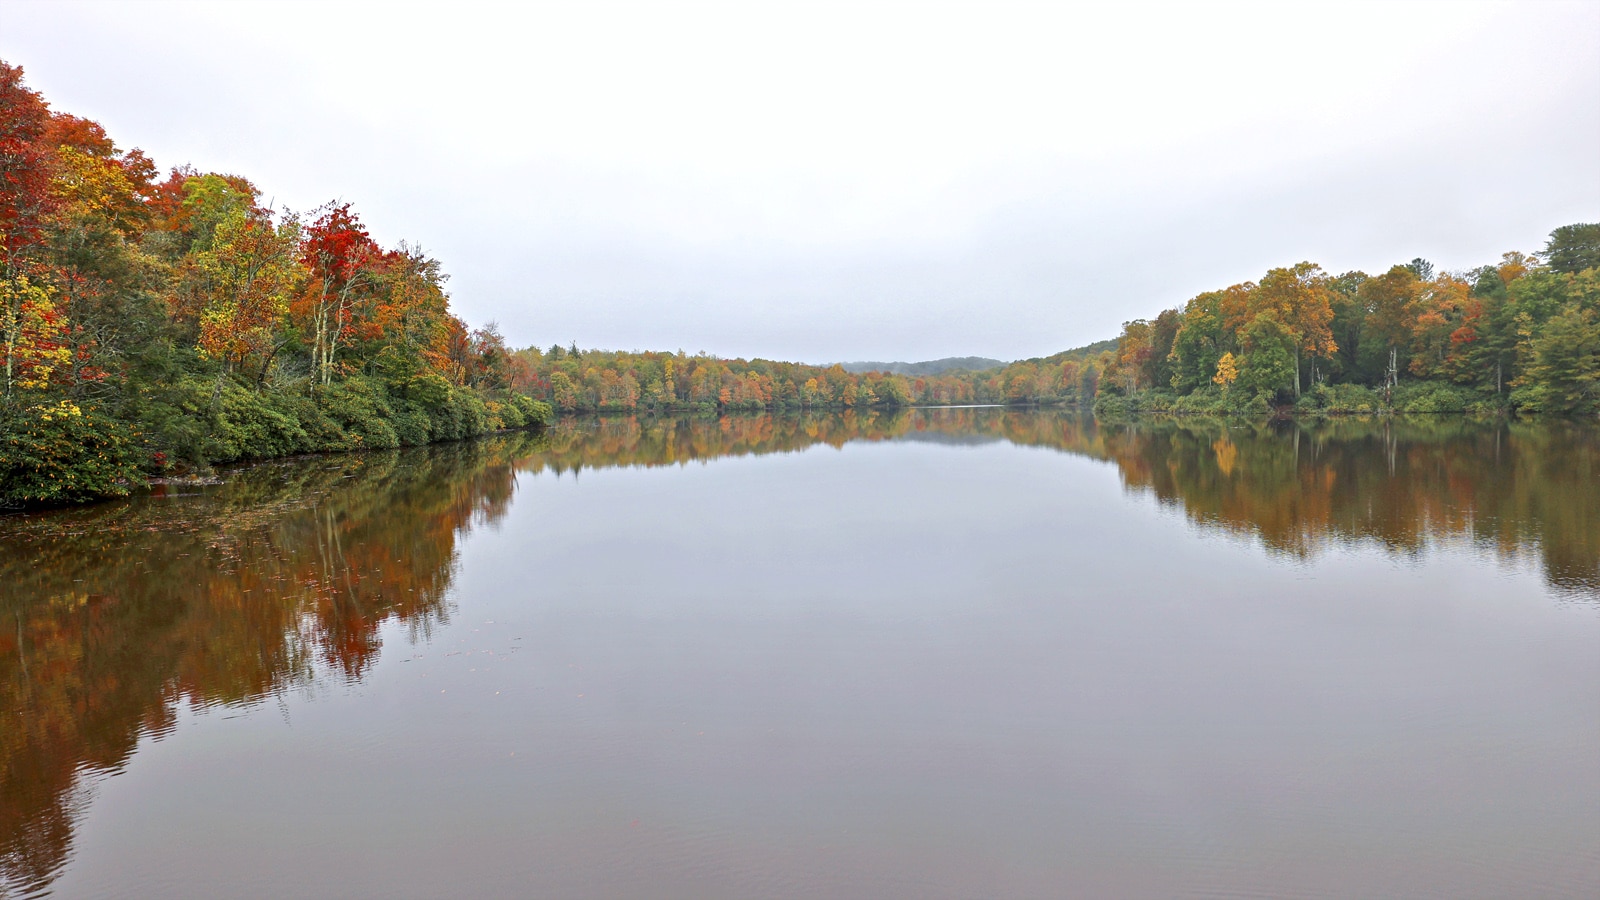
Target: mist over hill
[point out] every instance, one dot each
(927, 367)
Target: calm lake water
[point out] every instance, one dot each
(948, 653)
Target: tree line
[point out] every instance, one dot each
(1522, 334)
(574, 380)
(153, 323)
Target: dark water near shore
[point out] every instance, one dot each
(950, 653)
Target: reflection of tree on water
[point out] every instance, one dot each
(116, 614)
(572, 445)
(1515, 488)
(1299, 487)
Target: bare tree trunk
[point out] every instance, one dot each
(272, 354)
(216, 389)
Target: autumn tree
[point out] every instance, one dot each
(32, 336)
(94, 249)
(1301, 302)
(1388, 301)
(26, 166)
(1199, 343)
(31, 324)
(339, 257)
(1133, 351)
(238, 287)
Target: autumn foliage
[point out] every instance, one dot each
(185, 323)
(151, 322)
(1522, 334)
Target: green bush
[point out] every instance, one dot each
(474, 414)
(445, 421)
(1110, 406)
(1432, 397)
(62, 453)
(360, 407)
(1207, 401)
(1488, 407)
(1340, 399)
(535, 412)
(508, 414)
(410, 424)
(175, 431)
(1152, 401)
(249, 424)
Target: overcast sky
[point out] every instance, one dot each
(862, 180)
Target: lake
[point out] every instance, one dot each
(933, 653)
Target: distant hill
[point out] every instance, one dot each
(1077, 354)
(929, 367)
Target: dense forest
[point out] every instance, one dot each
(574, 380)
(154, 324)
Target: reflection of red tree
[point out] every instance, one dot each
(118, 614)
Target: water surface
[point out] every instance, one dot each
(932, 654)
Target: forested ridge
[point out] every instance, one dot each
(928, 367)
(155, 324)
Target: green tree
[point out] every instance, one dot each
(1564, 375)
(1199, 343)
(1268, 365)
(1573, 248)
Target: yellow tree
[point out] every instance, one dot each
(1301, 299)
(31, 335)
(95, 234)
(1133, 350)
(1227, 372)
(1388, 300)
(239, 287)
